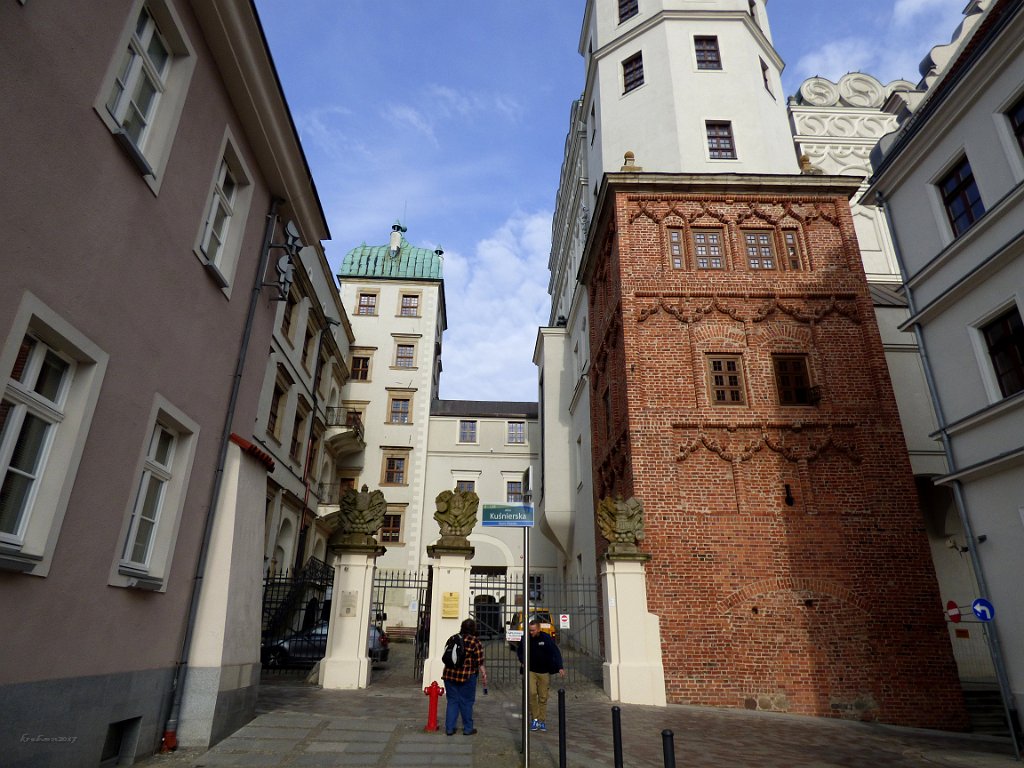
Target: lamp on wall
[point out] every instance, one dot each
(285, 266)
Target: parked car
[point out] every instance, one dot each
(306, 647)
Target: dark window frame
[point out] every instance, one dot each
(1004, 341)
(708, 52)
(628, 9)
(961, 197)
(1016, 116)
(705, 260)
(633, 72)
(792, 379)
(725, 377)
(721, 141)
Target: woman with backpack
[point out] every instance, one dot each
(463, 660)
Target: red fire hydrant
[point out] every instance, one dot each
(434, 691)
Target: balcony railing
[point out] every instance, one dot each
(343, 417)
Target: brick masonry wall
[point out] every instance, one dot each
(819, 601)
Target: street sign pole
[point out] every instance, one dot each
(526, 647)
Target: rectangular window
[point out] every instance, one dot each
(391, 530)
(628, 9)
(607, 400)
(49, 387)
(760, 251)
(360, 368)
(707, 249)
(792, 380)
(140, 80)
(156, 475)
(725, 379)
(792, 249)
(514, 491)
(536, 586)
(276, 404)
(517, 433)
(367, 304)
(410, 305)
(467, 431)
(1016, 115)
(405, 356)
(720, 141)
(308, 347)
(218, 218)
(299, 430)
(394, 470)
(632, 72)
(961, 197)
(675, 247)
(466, 486)
(30, 412)
(1004, 337)
(143, 93)
(708, 55)
(398, 411)
(765, 77)
(291, 308)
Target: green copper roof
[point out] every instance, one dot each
(378, 261)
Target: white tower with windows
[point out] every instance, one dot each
(688, 86)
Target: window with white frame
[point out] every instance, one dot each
(154, 513)
(465, 486)
(467, 430)
(156, 475)
(517, 432)
(30, 412)
(52, 377)
(144, 92)
(219, 241)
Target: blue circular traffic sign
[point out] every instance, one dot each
(983, 609)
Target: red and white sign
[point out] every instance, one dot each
(954, 611)
(563, 621)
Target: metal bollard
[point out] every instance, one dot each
(668, 748)
(561, 728)
(617, 735)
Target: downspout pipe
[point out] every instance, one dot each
(169, 741)
(995, 647)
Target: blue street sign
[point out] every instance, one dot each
(983, 609)
(507, 515)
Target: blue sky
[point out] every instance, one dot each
(451, 115)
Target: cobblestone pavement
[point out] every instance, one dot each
(301, 725)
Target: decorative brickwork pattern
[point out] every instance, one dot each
(790, 567)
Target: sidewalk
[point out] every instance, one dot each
(382, 727)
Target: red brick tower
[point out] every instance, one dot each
(739, 388)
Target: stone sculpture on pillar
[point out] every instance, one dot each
(346, 664)
(622, 524)
(633, 672)
(456, 515)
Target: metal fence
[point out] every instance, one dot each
(400, 602)
(294, 604)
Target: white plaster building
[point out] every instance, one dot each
(836, 126)
(951, 180)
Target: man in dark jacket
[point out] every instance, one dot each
(545, 660)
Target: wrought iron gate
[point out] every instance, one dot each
(296, 606)
(400, 602)
(497, 607)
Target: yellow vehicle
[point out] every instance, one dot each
(543, 615)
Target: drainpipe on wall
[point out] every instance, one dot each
(169, 741)
(995, 648)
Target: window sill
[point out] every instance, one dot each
(13, 559)
(134, 153)
(136, 579)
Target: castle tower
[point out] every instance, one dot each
(737, 382)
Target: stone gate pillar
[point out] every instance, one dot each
(452, 556)
(346, 664)
(633, 672)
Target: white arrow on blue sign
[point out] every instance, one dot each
(983, 609)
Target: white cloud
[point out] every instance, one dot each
(837, 57)
(906, 11)
(496, 301)
(403, 114)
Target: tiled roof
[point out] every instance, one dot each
(377, 261)
(484, 408)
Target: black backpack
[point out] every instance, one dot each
(454, 652)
